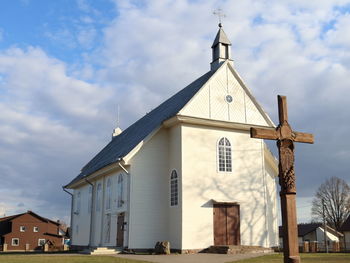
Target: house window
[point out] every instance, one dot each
(89, 199)
(15, 242)
(224, 155)
(174, 189)
(35, 229)
(120, 191)
(41, 242)
(109, 194)
(22, 229)
(98, 197)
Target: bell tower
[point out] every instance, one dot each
(221, 49)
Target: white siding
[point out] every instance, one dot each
(175, 212)
(202, 183)
(99, 232)
(271, 206)
(210, 103)
(149, 202)
(81, 219)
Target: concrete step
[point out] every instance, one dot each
(101, 251)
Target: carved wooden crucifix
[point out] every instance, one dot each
(286, 137)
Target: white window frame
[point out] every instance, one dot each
(14, 245)
(109, 194)
(98, 197)
(227, 149)
(120, 191)
(174, 188)
(36, 229)
(40, 239)
(22, 229)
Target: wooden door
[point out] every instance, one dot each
(226, 224)
(120, 230)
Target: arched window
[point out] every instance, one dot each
(225, 157)
(120, 191)
(174, 188)
(98, 197)
(109, 194)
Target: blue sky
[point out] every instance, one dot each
(64, 29)
(65, 65)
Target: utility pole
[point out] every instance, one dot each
(324, 226)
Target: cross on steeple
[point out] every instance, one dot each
(218, 12)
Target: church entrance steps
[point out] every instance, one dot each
(101, 251)
(236, 250)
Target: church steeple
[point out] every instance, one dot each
(221, 49)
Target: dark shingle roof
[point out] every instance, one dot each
(303, 229)
(122, 144)
(346, 225)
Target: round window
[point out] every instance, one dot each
(229, 98)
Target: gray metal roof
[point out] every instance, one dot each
(221, 38)
(122, 144)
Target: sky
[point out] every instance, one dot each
(65, 65)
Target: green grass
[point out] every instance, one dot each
(305, 258)
(63, 259)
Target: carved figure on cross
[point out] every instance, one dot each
(286, 137)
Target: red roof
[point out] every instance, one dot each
(9, 218)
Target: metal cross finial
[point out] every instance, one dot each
(218, 12)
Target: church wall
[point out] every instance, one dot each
(149, 204)
(97, 216)
(203, 183)
(114, 210)
(272, 216)
(81, 218)
(175, 212)
(210, 102)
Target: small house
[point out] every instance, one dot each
(28, 232)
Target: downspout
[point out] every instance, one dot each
(91, 210)
(121, 166)
(71, 215)
(103, 210)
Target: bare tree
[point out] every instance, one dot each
(335, 194)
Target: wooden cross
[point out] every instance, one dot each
(286, 137)
(218, 12)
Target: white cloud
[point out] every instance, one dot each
(153, 49)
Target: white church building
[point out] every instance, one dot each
(187, 172)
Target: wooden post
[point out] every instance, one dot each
(286, 137)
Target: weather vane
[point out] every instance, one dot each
(218, 12)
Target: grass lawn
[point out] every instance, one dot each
(305, 258)
(63, 259)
